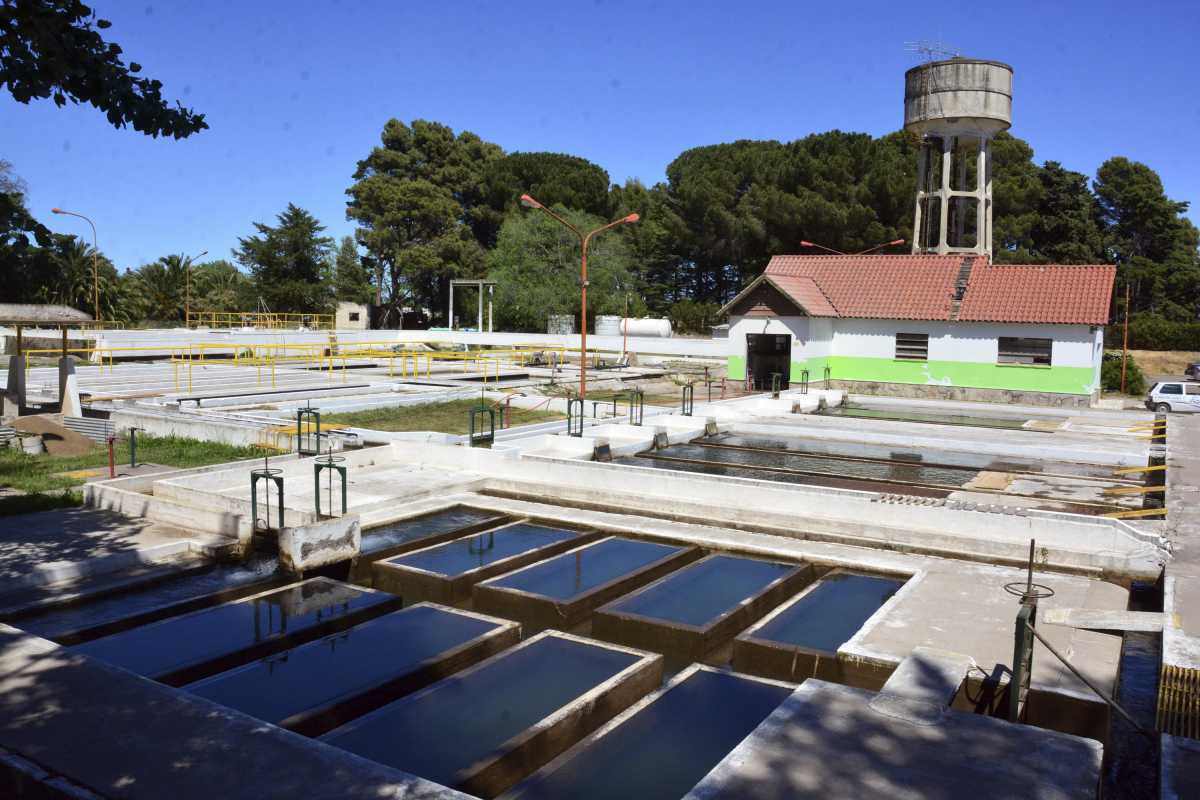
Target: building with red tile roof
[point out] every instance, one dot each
(954, 326)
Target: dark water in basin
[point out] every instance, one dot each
(664, 749)
(940, 458)
(710, 468)
(937, 418)
(340, 666)
(578, 572)
(1131, 759)
(461, 720)
(136, 601)
(410, 530)
(172, 644)
(826, 617)
(481, 549)
(701, 592)
(907, 473)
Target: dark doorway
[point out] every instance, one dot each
(767, 354)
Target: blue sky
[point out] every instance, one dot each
(296, 92)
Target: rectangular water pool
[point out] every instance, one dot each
(315, 687)
(426, 529)
(801, 639)
(414, 533)
(486, 728)
(90, 618)
(690, 611)
(662, 747)
(562, 591)
(446, 572)
(184, 649)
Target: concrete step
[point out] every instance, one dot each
(929, 675)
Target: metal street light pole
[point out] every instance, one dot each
(529, 202)
(187, 301)
(95, 259)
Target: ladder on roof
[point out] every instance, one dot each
(960, 284)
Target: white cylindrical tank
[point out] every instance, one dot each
(608, 326)
(961, 95)
(659, 328)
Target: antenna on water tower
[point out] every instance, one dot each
(932, 49)
(956, 106)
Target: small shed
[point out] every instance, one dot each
(352, 316)
(937, 326)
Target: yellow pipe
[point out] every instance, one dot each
(1135, 490)
(1137, 512)
(1134, 470)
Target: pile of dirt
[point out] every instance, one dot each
(59, 441)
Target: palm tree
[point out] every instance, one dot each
(165, 287)
(77, 280)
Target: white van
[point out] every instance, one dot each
(1173, 396)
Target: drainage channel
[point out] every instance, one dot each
(906, 478)
(879, 454)
(1131, 759)
(959, 420)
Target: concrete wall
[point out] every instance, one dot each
(1070, 542)
(164, 342)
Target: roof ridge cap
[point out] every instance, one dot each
(825, 294)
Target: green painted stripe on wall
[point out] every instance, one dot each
(967, 374)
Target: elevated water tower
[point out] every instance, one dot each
(956, 106)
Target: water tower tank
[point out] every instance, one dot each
(956, 107)
(967, 95)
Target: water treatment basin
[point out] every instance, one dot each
(426, 529)
(800, 639)
(562, 591)
(486, 728)
(184, 649)
(660, 748)
(688, 612)
(446, 572)
(192, 589)
(867, 411)
(317, 686)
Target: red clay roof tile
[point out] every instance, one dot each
(1056, 293)
(923, 287)
(878, 287)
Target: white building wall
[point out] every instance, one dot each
(798, 327)
(352, 316)
(977, 342)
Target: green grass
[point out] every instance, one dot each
(450, 417)
(36, 474)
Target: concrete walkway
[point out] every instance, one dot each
(1181, 605)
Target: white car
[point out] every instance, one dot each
(1173, 396)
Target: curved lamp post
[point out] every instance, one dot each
(584, 238)
(95, 258)
(187, 300)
